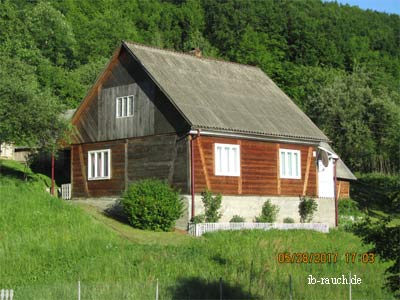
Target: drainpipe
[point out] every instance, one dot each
(192, 185)
(336, 195)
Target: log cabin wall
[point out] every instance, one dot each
(343, 189)
(84, 188)
(163, 157)
(259, 169)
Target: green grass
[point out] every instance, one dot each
(47, 245)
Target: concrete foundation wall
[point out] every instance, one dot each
(250, 207)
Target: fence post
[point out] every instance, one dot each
(350, 285)
(79, 290)
(157, 290)
(290, 287)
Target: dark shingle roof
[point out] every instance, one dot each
(218, 95)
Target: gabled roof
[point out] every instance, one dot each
(224, 96)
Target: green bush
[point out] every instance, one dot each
(268, 213)
(212, 204)
(288, 220)
(237, 219)
(307, 208)
(152, 204)
(348, 207)
(198, 219)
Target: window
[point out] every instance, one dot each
(290, 165)
(227, 160)
(124, 106)
(99, 164)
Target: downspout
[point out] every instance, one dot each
(336, 195)
(192, 185)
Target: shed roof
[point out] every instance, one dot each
(218, 95)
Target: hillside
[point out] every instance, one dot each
(339, 63)
(47, 245)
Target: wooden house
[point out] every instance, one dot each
(198, 123)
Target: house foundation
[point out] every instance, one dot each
(249, 207)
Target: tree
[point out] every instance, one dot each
(386, 241)
(29, 115)
(363, 123)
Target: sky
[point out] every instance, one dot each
(388, 6)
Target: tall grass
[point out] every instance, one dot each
(47, 245)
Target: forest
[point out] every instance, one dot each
(339, 63)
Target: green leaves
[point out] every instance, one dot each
(152, 205)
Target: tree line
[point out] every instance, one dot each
(339, 63)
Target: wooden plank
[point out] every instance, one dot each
(309, 156)
(203, 163)
(240, 178)
(126, 164)
(83, 171)
(72, 168)
(338, 189)
(278, 176)
(104, 75)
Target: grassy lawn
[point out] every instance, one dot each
(47, 245)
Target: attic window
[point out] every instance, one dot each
(227, 160)
(124, 106)
(290, 164)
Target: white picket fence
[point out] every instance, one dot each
(6, 294)
(66, 191)
(201, 228)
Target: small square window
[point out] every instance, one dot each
(290, 164)
(227, 160)
(125, 106)
(99, 164)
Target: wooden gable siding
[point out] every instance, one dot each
(259, 164)
(163, 157)
(153, 113)
(83, 188)
(343, 189)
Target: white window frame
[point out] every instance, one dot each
(224, 161)
(127, 108)
(292, 167)
(99, 175)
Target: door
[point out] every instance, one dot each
(326, 183)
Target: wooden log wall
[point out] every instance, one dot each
(343, 189)
(83, 188)
(163, 157)
(259, 164)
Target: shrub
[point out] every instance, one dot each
(268, 213)
(152, 204)
(237, 219)
(307, 208)
(348, 207)
(288, 220)
(198, 219)
(211, 206)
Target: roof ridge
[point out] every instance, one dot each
(190, 55)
